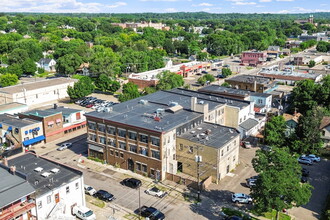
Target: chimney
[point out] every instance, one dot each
(5, 161)
(193, 103)
(255, 85)
(12, 169)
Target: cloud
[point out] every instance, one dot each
(203, 4)
(285, 0)
(170, 10)
(244, 3)
(323, 4)
(158, 0)
(56, 6)
(265, 0)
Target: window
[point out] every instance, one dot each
(132, 135)
(155, 154)
(155, 141)
(228, 148)
(133, 148)
(138, 166)
(102, 140)
(112, 142)
(101, 127)
(92, 137)
(122, 145)
(91, 125)
(121, 155)
(77, 185)
(144, 151)
(234, 158)
(222, 153)
(260, 101)
(174, 136)
(143, 138)
(111, 130)
(67, 189)
(181, 147)
(39, 204)
(111, 152)
(122, 133)
(191, 149)
(174, 156)
(117, 154)
(144, 168)
(49, 199)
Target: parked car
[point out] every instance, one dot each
(150, 212)
(83, 213)
(220, 76)
(251, 183)
(64, 146)
(266, 148)
(132, 182)
(313, 158)
(104, 195)
(241, 198)
(205, 72)
(304, 160)
(154, 191)
(226, 66)
(246, 144)
(89, 190)
(252, 178)
(234, 218)
(304, 172)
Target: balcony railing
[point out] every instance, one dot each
(16, 210)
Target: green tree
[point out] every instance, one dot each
(308, 132)
(206, 78)
(8, 79)
(168, 80)
(105, 62)
(104, 83)
(68, 64)
(80, 89)
(278, 186)
(18, 56)
(311, 63)
(226, 72)
(130, 91)
(149, 90)
(15, 69)
(29, 67)
(275, 131)
(225, 84)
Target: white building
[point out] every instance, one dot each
(58, 187)
(38, 92)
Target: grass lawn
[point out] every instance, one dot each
(272, 215)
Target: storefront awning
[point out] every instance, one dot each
(33, 140)
(96, 148)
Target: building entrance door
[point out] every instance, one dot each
(130, 165)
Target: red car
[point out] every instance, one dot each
(89, 105)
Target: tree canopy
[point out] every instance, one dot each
(82, 88)
(168, 80)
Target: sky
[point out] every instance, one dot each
(163, 6)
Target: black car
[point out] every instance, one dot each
(150, 212)
(132, 182)
(304, 172)
(104, 195)
(220, 76)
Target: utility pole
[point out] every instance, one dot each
(198, 160)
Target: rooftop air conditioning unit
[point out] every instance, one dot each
(38, 169)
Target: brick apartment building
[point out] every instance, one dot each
(253, 58)
(251, 83)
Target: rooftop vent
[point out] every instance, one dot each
(171, 104)
(199, 129)
(193, 132)
(160, 111)
(201, 102)
(143, 102)
(46, 174)
(38, 169)
(55, 170)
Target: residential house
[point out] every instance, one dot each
(217, 147)
(17, 195)
(253, 58)
(57, 187)
(38, 92)
(18, 132)
(325, 129)
(273, 52)
(291, 123)
(47, 64)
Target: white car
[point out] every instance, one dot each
(64, 146)
(83, 212)
(313, 158)
(89, 190)
(154, 191)
(241, 198)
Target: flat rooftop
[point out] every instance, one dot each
(250, 79)
(13, 187)
(65, 111)
(30, 86)
(16, 122)
(209, 134)
(225, 90)
(40, 113)
(59, 174)
(289, 73)
(11, 106)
